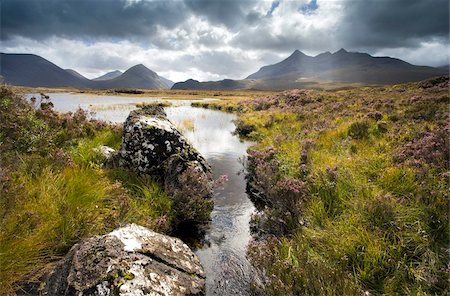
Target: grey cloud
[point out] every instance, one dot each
(84, 18)
(231, 13)
(368, 25)
(261, 37)
(221, 63)
(394, 23)
(396, 27)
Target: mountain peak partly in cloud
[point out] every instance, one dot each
(212, 40)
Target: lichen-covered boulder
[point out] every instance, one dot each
(152, 145)
(150, 139)
(131, 260)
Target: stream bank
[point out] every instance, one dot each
(211, 133)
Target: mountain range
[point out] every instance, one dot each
(342, 67)
(32, 70)
(299, 70)
(109, 75)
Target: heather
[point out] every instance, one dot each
(352, 189)
(56, 190)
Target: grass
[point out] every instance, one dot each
(55, 190)
(372, 216)
(161, 104)
(187, 124)
(163, 94)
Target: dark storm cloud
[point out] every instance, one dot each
(85, 18)
(367, 25)
(231, 13)
(398, 23)
(212, 39)
(364, 24)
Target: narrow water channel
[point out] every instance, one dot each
(224, 258)
(211, 133)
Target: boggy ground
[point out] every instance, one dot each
(158, 93)
(352, 187)
(55, 190)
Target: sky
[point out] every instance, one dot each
(216, 39)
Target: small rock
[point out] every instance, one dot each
(106, 151)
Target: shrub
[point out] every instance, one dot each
(359, 130)
(192, 204)
(376, 115)
(430, 148)
(244, 129)
(54, 190)
(374, 226)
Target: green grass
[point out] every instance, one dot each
(370, 223)
(51, 212)
(55, 190)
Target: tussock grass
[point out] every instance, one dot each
(101, 107)
(160, 103)
(187, 124)
(51, 212)
(376, 214)
(55, 191)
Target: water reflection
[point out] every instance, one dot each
(210, 132)
(224, 258)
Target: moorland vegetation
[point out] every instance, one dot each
(352, 189)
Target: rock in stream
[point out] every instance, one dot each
(150, 142)
(152, 145)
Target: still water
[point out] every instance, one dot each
(211, 133)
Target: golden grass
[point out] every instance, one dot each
(367, 220)
(187, 124)
(163, 94)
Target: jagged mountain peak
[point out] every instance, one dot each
(341, 51)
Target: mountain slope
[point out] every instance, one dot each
(225, 84)
(326, 70)
(109, 75)
(168, 82)
(75, 73)
(344, 66)
(137, 76)
(33, 70)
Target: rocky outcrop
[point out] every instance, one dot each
(132, 260)
(150, 140)
(152, 145)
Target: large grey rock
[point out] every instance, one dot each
(149, 140)
(132, 260)
(152, 145)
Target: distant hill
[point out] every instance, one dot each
(75, 73)
(225, 84)
(341, 68)
(109, 75)
(445, 67)
(168, 82)
(344, 66)
(137, 76)
(32, 70)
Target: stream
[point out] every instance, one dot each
(211, 132)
